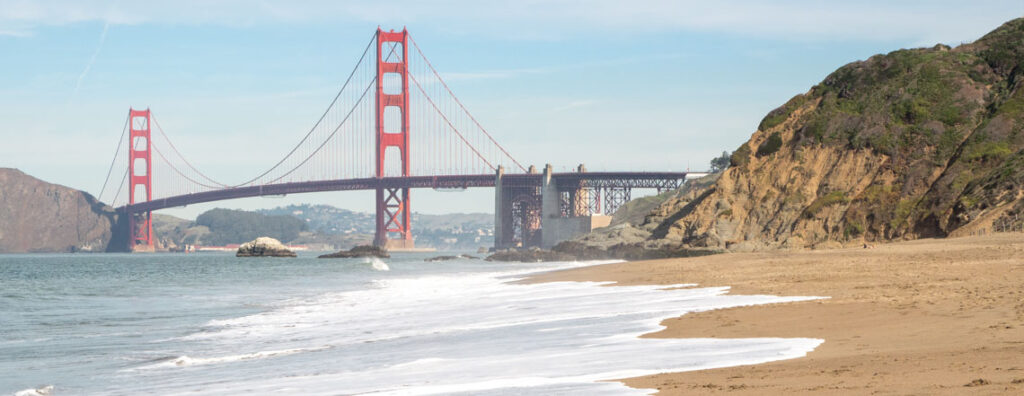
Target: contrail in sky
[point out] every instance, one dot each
(103, 37)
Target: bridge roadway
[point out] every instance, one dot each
(658, 180)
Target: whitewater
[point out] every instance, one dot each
(216, 324)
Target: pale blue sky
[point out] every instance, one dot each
(637, 85)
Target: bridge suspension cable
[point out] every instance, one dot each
(183, 159)
(463, 107)
(182, 174)
(447, 140)
(454, 129)
(318, 122)
(113, 162)
(329, 137)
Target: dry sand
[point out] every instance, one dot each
(927, 317)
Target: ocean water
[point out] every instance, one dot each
(216, 324)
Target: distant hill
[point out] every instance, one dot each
(238, 226)
(36, 216)
(447, 231)
(925, 142)
(320, 225)
(326, 219)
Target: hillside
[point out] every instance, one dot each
(915, 143)
(453, 231)
(36, 216)
(321, 226)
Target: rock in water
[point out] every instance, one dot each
(440, 258)
(529, 256)
(264, 247)
(360, 251)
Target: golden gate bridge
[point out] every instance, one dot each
(393, 126)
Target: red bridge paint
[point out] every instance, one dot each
(393, 214)
(364, 142)
(140, 148)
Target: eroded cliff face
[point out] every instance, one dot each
(915, 143)
(36, 216)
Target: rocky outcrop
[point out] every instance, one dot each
(916, 143)
(264, 247)
(533, 255)
(450, 258)
(360, 251)
(36, 216)
(581, 251)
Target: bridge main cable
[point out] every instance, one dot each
(113, 162)
(453, 126)
(313, 129)
(329, 137)
(183, 159)
(463, 107)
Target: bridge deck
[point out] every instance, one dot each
(588, 179)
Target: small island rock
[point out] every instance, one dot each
(529, 256)
(360, 251)
(264, 247)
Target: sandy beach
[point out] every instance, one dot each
(926, 317)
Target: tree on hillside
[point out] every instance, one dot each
(720, 163)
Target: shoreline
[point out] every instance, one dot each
(933, 316)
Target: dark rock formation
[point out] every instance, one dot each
(628, 251)
(36, 216)
(360, 251)
(529, 256)
(449, 258)
(264, 247)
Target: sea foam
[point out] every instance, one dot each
(41, 391)
(473, 333)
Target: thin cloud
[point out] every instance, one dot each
(92, 60)
(908, 21)
(576, 104)
(490, 75)
(15, 33)
(512, 73)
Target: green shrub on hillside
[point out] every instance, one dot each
(770, 146)
(741, 156)
(832, 198)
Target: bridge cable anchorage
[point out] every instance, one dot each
(120, 141)
(450, 124)
(313, 129)
(329, 137)
(456, 98)
(183, 159)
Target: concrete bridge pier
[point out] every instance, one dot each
(531, 214)
(517, 210)
(500, 211)
(567, 210)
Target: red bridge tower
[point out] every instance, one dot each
(392, 129)
(140, 171)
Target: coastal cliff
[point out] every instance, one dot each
(915, 143)
(36, 216)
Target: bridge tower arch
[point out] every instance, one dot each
(393, 215)
(140, 174)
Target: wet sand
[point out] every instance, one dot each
(927, 317)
